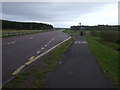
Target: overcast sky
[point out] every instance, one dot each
(62, 14)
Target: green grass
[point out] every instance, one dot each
(112, 45)
(107, 58)
(72, 32)
(36, 75)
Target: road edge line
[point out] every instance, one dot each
(37, 57)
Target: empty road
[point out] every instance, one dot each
(17, 50)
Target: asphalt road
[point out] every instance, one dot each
(19, 49)
(78, 69)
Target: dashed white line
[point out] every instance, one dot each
(33, 58)
(42, 48)
(45, 45)
(11, 42)
(60, 62)
(38, 52)
(51, 40)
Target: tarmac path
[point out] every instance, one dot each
(78, 69)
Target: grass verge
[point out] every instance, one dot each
(77, 32)
(107, 58)
(112, 45)
(36, 75)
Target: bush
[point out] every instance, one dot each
(111, 36)
(118, 37)
(94, 33)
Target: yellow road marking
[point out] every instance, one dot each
(32, 57)
(27, 63)
(18, 70)
(37, 57)
(30, 61)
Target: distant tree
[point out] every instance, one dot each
(9, 25)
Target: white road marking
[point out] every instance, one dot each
(37, 57)
(11, 42)
(45, 45)
(38, 52)
(51, 40)
(60, 62)
(78, 42)
(42, 48)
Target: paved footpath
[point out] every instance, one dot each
(78, 69)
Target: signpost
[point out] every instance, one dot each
(81, 33)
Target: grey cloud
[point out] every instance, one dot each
(47, 12)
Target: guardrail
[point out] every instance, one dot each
(23, 33)
(17, 33)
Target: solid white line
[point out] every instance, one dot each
(37, 57)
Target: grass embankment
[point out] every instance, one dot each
(36, 75)
(106, 56)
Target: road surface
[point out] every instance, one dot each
(19, 49)
(78, 69)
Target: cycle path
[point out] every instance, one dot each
(78, 69)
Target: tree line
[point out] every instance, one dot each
(98, 27)
(13, 25)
